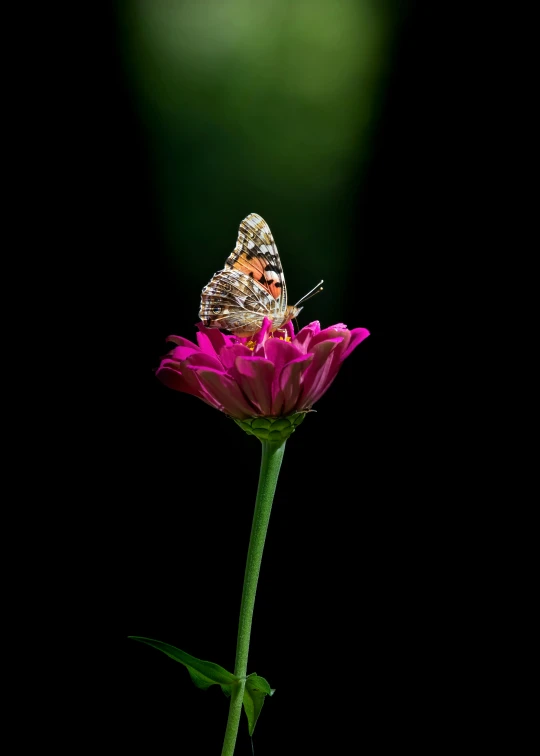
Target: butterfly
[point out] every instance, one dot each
(251, 285)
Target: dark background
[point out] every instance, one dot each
(348, 608)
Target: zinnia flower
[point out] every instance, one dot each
(274, 375)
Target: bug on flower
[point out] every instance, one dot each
(251, 285)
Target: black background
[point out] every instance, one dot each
(350, 619)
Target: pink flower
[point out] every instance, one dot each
(274, 375)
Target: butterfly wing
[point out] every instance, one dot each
(235, 302)
(257, 257)
(251, 285)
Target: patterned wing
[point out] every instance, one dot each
(235, 302)
(256, 256)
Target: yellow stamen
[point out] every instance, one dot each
(273, 335)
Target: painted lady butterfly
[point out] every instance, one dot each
(251, 286)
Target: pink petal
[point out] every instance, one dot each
(320, 388)
(262, 337)
(279, 353)
(229, 354)
(226, 392)
(290, 384)
(333, 332)
(181, 341)
(263, 334)
(183, 352)
(203, 359)
(191, 374)
(209, 339)
(255, 376)
(303, 337)
(192, 382)
(173, 379)
(289, 328)
(357, 336)
(169, 374)
(320, 373)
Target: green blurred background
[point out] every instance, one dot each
(267, 107)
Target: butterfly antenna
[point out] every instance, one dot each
(315, 290)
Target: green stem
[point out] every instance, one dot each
(272, 456)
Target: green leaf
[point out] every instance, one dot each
(255, 692)
(203, 673)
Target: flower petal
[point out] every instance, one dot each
(255, 376)
(229, 354)
(203, 359)
(226, 392)
(320, 373)
(173, 378)
(290, 384)
(303, 337)
(183, 348)
(279, 352)
(289, 328)
(181, 341)
(332, 332)
(211, 340)
(357, 336)
(205, 343)
(183, 352)
(191, 383)
(178, 374)
(262, 337)
(263, 333)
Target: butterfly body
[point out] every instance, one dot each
(251, 285)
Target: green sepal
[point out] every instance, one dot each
(273, 429)
(255, 692)
(203, 673)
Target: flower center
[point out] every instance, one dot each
(281, 335)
